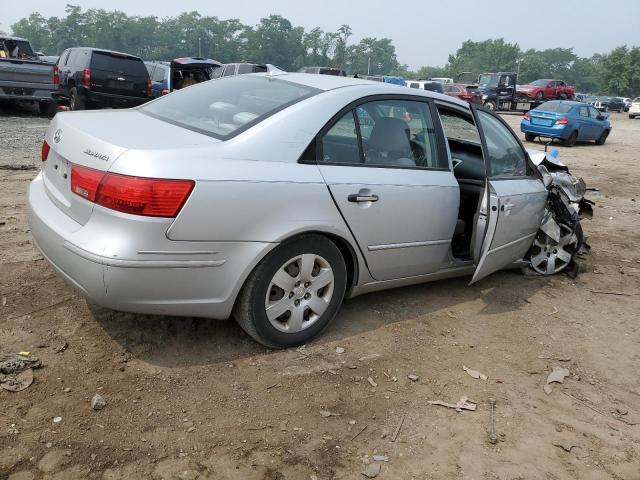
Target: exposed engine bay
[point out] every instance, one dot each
(560, 237)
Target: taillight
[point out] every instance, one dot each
(44, 154)
(56, 75)
(86, 77)
(165, 92)
(151, 197)
(526, 115)
(149, 87)
(562, 121)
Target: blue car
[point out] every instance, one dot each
(568, 121)
(181, 72)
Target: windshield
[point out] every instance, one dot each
(554, 107)
(488, 81)
(227, 106)
(539, 83)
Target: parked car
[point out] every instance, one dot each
(547, 89)
(251, 194)
(92, 77)
(25, 77)
(466, 92)
(179, 73)
(324, 71)
(425, 85)
(606, 104)
(634, 110)
(616, 104)
(442, 80)
(231, 69)
(567, 121)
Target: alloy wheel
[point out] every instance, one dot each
(549, 257)
(299, 293)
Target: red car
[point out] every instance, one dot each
(463, 91)
(546, 89)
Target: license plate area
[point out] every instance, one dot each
(544, 122)
(120, 85)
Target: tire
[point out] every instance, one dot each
(632, 116)
(603, 138)
(562, 96)
(298, 297)
(76, 100)
(540, 96)
(571, 140)
(544, 248)
(48, 109)
(529, 137)
(490, 105)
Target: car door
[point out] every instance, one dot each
(386, 166)
(597, 126)
(513, 202)
(586, 127)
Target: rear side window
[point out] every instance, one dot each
(159, 74)
(227, 106)
(229, 71)
(245, 68)
(459, 127)
(111, 62)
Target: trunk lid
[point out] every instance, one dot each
(96, 140)
(17, 71)
(118, 74)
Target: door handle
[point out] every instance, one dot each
(357, 198)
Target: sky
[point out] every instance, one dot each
(423, 32)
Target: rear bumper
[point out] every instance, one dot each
(114, 263)
(555, 131)
(115, 100)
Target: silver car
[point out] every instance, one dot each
(272, 197)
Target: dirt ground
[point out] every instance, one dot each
(196, 399)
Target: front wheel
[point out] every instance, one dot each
(529, 137)
(549, 257)
(603, 138)
(293, 293)
(539, 96)
(562, 96)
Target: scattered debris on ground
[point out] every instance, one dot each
(16, 371)
(463, 404)
(474, 373)
(556, 376)
(98, 402)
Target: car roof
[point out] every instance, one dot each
(104, 50)
(331, 82)
(9, 37)
(191, 60)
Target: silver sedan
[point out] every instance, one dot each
(272, 197)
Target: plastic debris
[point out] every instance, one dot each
(372, 470)
(463, 404)
(556, 376)
(474, 373)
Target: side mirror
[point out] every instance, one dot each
(601, 117)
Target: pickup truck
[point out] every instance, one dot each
(548, 89)
(24, 77)
(498, 92)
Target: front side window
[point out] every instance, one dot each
(595, 113)
(227, 106)
(504, 153)
(398, 133)
(459, 127)
(229, 71)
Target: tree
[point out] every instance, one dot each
(487, 56)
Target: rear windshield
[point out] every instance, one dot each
(227, 106)
(111, 62)
(332, 71)
(555, 107)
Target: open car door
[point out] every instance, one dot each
(513, 203)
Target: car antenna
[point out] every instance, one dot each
(274, 70)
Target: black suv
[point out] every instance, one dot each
(93, 77)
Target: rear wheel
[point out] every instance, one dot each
(529, 137)
(632, 116)
(490, 105)
(293, 293)
(562, 96)
(571, 141)
(76, 100)
(603, 138)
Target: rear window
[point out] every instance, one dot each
(225, 107)
(332, 71)
(112, 62)
(554, 107)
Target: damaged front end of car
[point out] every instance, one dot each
(560, 238)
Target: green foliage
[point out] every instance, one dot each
(275, 40)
